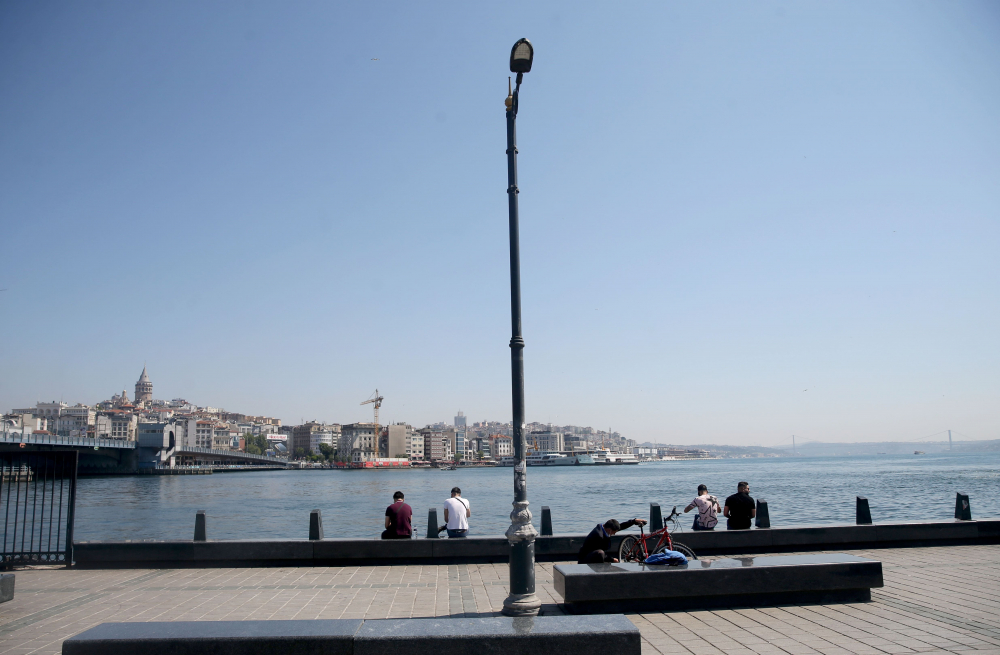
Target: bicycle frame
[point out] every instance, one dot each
(664, 537)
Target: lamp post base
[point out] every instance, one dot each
(521, 605)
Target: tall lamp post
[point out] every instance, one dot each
(521, 534)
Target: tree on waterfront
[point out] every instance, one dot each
(327, 451)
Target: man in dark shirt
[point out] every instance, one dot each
(740, 508)
(397, 518)
(598, 542)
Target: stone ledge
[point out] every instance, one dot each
(555, 548)
(725, 582)
(546, 635)
(329, 637)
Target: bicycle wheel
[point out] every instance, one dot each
(682, 549)
(629, 551)
(685, 550)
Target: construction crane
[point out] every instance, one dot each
(377, 401)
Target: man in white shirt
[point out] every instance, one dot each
(456, 514)
(708, 509)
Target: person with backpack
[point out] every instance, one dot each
(708, 509)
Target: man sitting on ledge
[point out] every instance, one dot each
(397, 519)
(598, 542)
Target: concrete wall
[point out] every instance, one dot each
(339, 552)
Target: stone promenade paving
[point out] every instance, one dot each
(935, 600)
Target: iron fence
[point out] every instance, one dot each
(38, 503)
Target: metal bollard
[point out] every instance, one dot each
(862, 513)
(963, 510)
(432, 523)
(315, 525)
(655, 517)
(199, 526)
(763, 518)
(546, 521)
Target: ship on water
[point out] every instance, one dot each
(551, 459)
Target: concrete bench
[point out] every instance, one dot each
(545, 635)
(736, 582)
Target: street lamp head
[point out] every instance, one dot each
(520, 56)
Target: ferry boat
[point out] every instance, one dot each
(607, 457)
(550, 459)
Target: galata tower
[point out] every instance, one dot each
(143, 388)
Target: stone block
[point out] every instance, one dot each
(315, 525)
(989, 529)
(655, 517)
(6, 587)
(732, 582)
(862, 513)
(546, 521)
(482, 548)
(325, 636)
(541, 635)
(922, 533)
(261, 551)
(200, 531)
(432, 523)
(723, 541)
(113, 554)
(763, 519)
(963, 511)
(824, 535)
(330, 551)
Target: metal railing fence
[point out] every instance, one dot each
(57, 440)
(37, 506)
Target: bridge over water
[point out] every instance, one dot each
(119, 456)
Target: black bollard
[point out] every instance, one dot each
(546, 521)
(315, 525)
(963, 510)
(763, 518)
(432, 523)
(199, 526)
(862, 514)
(655, 517)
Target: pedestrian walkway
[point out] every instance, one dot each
(935, 600)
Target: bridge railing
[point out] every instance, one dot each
(56, 440)
(192, 450)
(37, 506)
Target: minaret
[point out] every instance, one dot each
(143, 388)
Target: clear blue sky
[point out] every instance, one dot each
(281, 206)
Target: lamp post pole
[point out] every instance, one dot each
(521, 534)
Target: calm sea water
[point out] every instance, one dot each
(276, 504)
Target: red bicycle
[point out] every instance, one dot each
(635, 549)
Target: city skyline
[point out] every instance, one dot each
(744, 223)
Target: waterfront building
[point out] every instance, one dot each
(414, 445)
(116, 424)
(547, 442)
(75, 421)
(143, 388)
(317, 438)
(437, 444)
(501, 445)
(358, 442)
(396, 441)
(301, 436)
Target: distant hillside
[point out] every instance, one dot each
(816, 449)
(720, 450)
